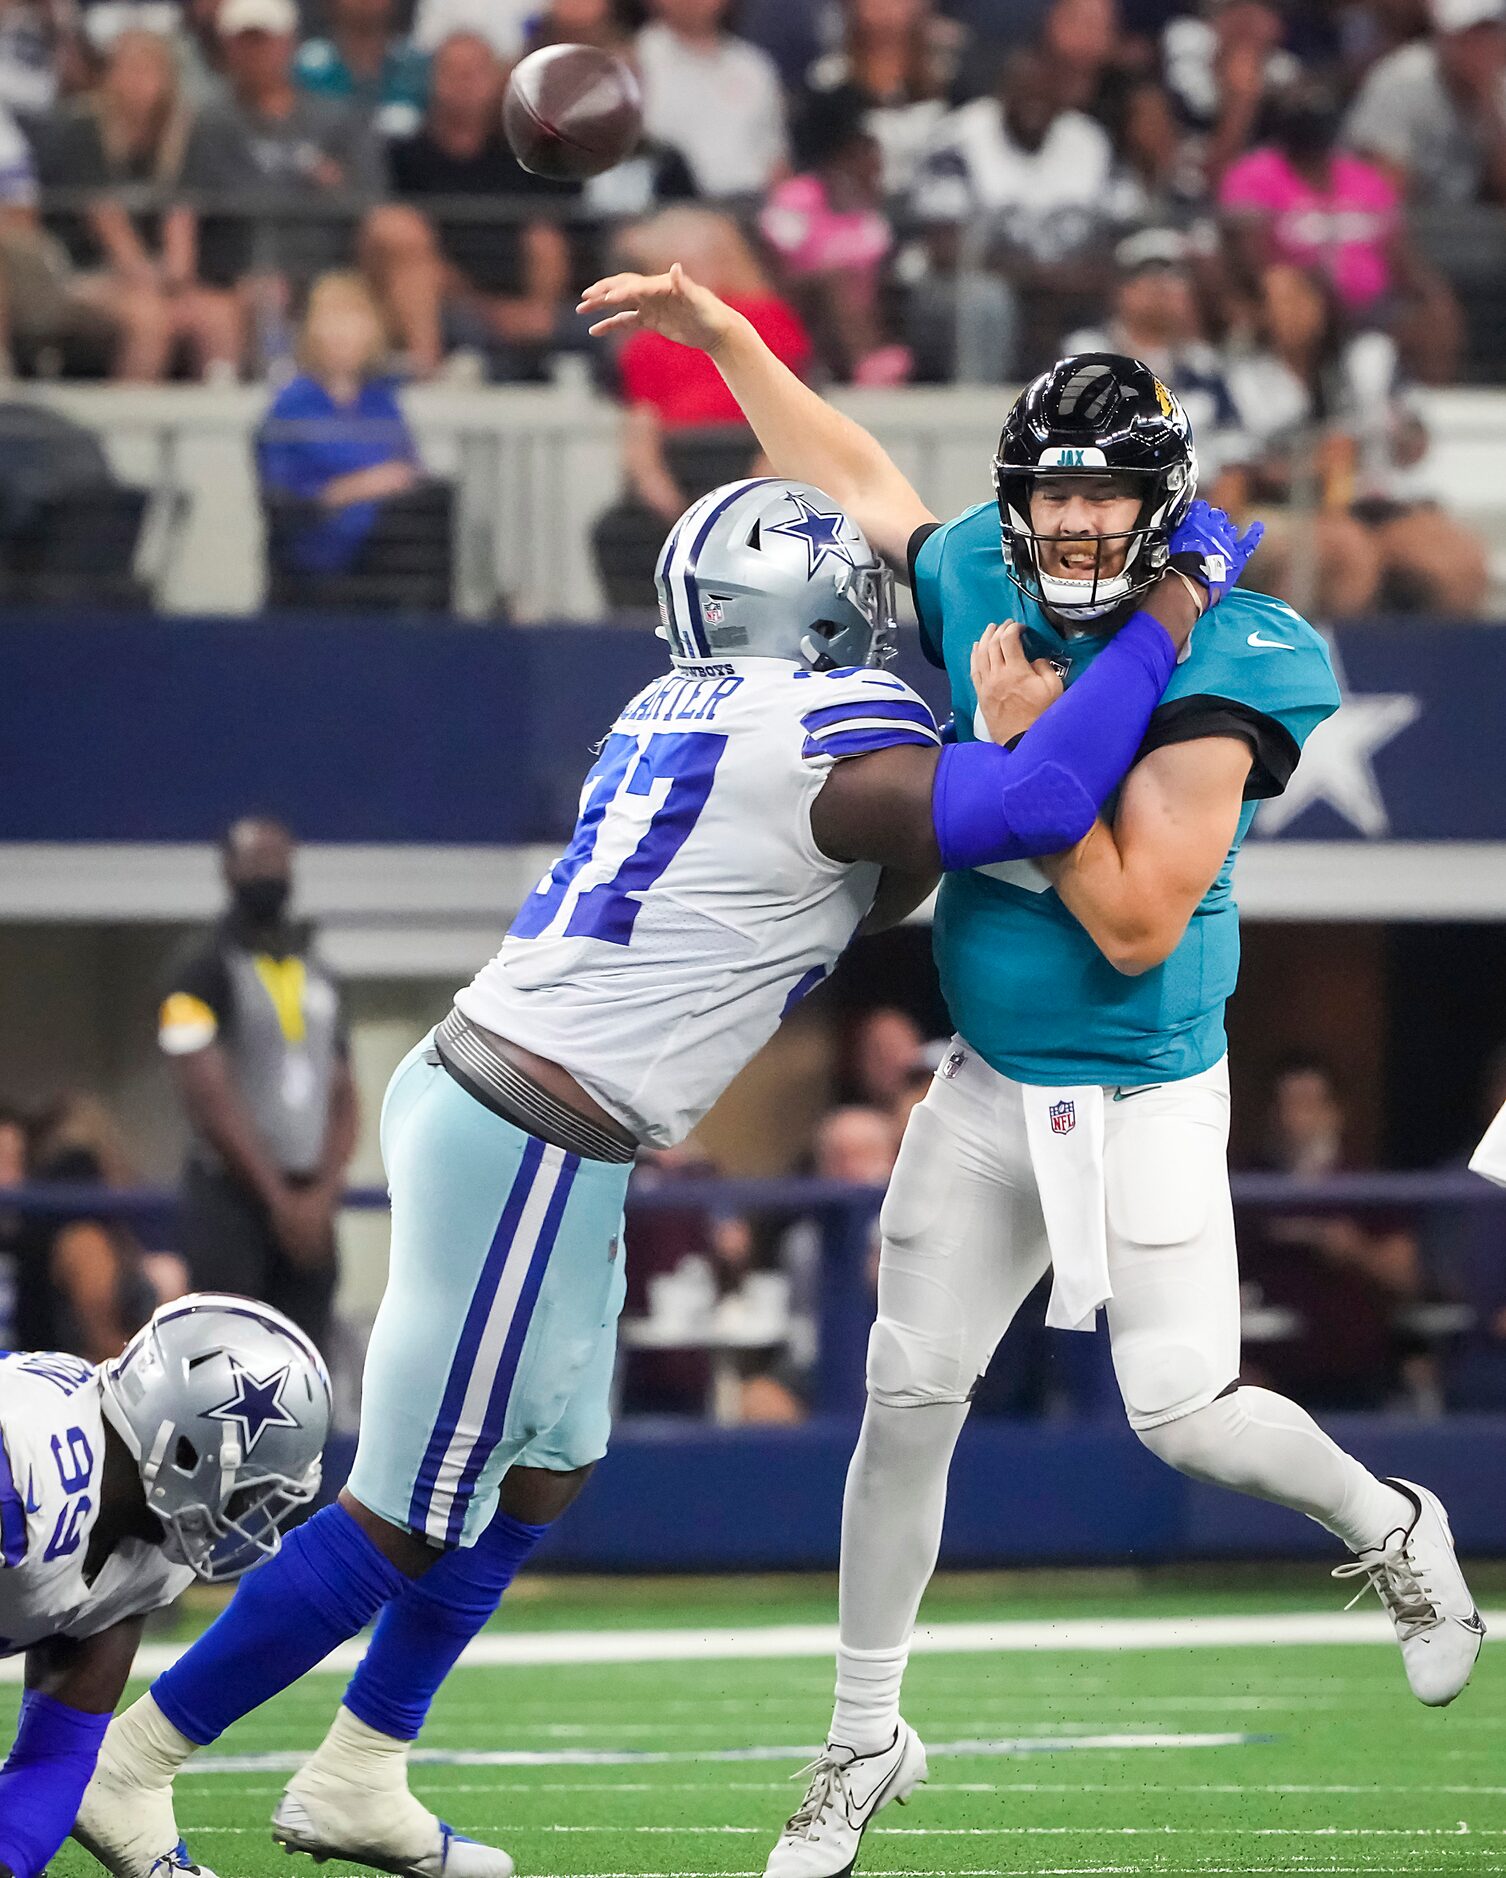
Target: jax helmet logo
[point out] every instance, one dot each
(1063, 1117)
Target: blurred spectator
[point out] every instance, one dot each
(828, 228)
(495, 287)
(1300, 199)
(684, 432)
(1221, 64)
(50, 316)
(132, 133)
(899, 62)
(1329, 1289)
(581, 23)
(86, 1283)
(1333, 434)
(1158, 172)
(253, 1030)
(713, 97)
(1082, 43)
(1158, 317)
(1018, 184)
(36, 43)
(366, 62)
(1435, 109)
(502, 23)
(1472, 1256)
(269, 143)
(883, 1048)
(13, 1224)
(339, 468)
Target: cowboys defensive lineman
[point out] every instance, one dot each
(747, 813)
(1080, 1122)
(119, 1485)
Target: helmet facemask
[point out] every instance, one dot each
(872, 638)
(221, 1541)
(1092, 596)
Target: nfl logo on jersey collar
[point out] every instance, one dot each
(1063, 1117)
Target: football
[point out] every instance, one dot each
(572, 112)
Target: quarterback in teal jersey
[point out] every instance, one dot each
(1080, 1121)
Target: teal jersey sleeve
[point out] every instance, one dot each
(1256, 670)
(930, 568)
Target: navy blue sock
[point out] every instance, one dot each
(421, 1634)
(327, 1581)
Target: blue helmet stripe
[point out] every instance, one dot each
(692, 589)
(678, 649)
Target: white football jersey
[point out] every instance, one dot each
(52, 1453)
(692, 907)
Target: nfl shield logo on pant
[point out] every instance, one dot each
(1063, 1117)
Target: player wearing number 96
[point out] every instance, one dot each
(119, 1485)
(749, 811)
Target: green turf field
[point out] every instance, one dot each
(1302, 1758)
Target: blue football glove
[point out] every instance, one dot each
(1206, 545)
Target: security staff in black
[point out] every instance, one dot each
(252, 1027)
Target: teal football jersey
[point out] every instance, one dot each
(1025, 985)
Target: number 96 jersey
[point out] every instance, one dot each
(692, 908)
(52, 1455)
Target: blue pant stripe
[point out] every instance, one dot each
(495, 1418)
(470, 1337)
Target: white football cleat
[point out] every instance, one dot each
(385, 1828)
(822, 1836)
(1417, 1577)
(130, 1829)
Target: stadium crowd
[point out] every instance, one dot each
(1292, 211)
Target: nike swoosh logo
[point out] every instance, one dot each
(1269, 645)
(1123, 1095)
(1474, 1622)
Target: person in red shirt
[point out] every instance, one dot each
(683, 433)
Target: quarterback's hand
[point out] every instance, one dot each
(1012, 691)
(1207, 546)
(672, 304)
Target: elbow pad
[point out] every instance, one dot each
(989, 805)
(42, 1782)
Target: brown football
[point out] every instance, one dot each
(572, 112)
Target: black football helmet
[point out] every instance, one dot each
(1095, 414)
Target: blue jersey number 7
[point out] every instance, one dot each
(688, 760)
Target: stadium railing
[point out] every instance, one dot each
(682, 1493)
(844, 1216)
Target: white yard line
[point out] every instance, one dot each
(283, 1762)
(564, 1647)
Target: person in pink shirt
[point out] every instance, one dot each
(1300, 199)
(831, 238)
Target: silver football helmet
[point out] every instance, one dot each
(225, 1406)
(771, 568)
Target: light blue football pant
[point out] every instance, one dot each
(495, 1340)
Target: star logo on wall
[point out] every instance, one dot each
(256, 1405)
(1338, 761)
(820, 531)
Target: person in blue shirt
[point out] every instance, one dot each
(335, 442)
(1079, 1122)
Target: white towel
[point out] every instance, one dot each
(1489, 1158)
(1064, 1128)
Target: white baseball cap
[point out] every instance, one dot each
(1457, 16)
(256, 16)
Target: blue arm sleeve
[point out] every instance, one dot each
(990, 804)
(42, 1782)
